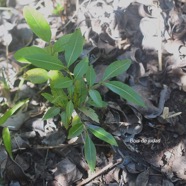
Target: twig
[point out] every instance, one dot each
(75, 13)
(5, 8)
(160, 42)
(106, 168)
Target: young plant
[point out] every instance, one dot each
(6, 133)
(73, 91)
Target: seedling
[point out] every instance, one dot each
(73, 91)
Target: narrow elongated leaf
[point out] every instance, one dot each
(63, 82)
(75, 130)
(11, 111)
(64, 119)
(26, 51)
(125, 92)
(74, 47)
(45, 61)
(115, 69)
(81, 68)
(91, 76)
(102, 134)
(36, 75)
(69, 109)
(80, 93)
(90, 113)
(60, 44)
(96, 97)
(37, 23)
(51, 112)
(7, 141)
(91, 103)
(70, 91)
(90, 153)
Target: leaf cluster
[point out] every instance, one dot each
(73, 89)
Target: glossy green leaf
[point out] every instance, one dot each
(90, 153)
(75, 130)
(102, 134)
(74, 47)
(26, 51)
(115, 69)
(11, 111)
(51, 112)
(69, 109)
(125, 92)
(45, 61)
(36, 75)
(63, 82)
(7, 141)
(37, 23)
(90, 113)
(91, 76)
(81, 68)
(96, 97)
(60, 44)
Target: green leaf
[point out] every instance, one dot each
(70, 91)
(60, 44)
(96, 97)
(125, 92)
(64, 120)
(58, 9)
(7, 141)
(81, 68)
(69, 109)
(74, 47)
(50, 50)
(90, 153)
(26, 51)
(11, 111)
(91, 103)
(102, 134)
(115, 69)
(63, 82)
(54, 75)
(48, 97)
(80, 93)
(36, 75)
(45, 61)
(75, 119)
(89, 113)
(51, 112)
(60, 98)
(75, 130)
(37, 23)
(91, 76)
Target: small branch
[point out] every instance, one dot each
(106, 168)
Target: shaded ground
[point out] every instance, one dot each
(152, 141)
